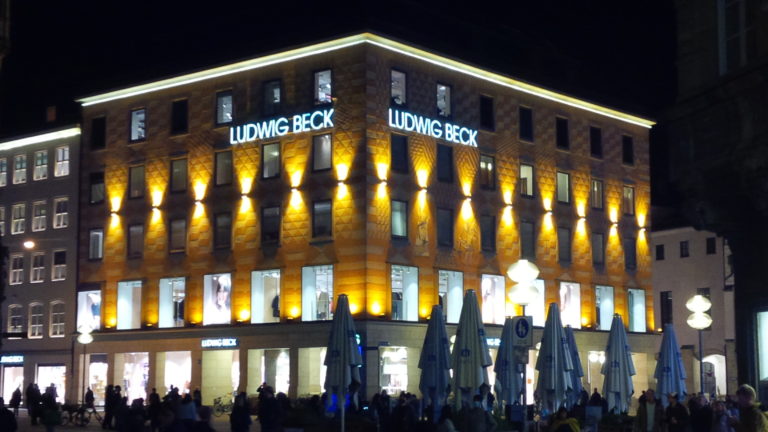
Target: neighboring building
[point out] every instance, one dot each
(245, 198)
(688, 262)
(38, 223)
(718, 136)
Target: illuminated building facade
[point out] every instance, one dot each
(233, 205)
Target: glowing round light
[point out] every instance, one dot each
(523, 271)
(523, 293)
(593, 357)
(29, 244)
(699, 320)
(85, 338)
(698, 303)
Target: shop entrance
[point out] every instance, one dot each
(132, 373)
(13, 378)
(221, 374)
(174, 368)
(97, 377)
(271, 366)
(53, 375)
(311, 371)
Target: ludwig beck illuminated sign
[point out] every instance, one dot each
(280, 126)
(431, 127)
(219, 343)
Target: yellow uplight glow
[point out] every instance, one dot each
(547, 202)
(467, 189)
(199, 210)
(157, 198)
(584, 321)
(246, 184)
(506, 216)
(466, 209)
(342, 171)
(114, 221)
(295, 198)
(581, 227)
(199, 191)
(421, 178)
(376, 308)
(156, 215)
(614, 231)
(548, 223)
(422, 199)
(294, 312)
(244, 315)
(613, 214)
(296, 178)
(354, 308)
(245, 204)
(507, 197)
(343, 191)
(641, 220)
(581, 209)
(424, 312)
(116, 202)
(382, 170)
(381, 190)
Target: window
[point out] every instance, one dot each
(443, 100)
(598, 249)
(128, 305)
(57, 319)
(628, 200)
(564, 245)
(445, 227)
(35, 321)
(40, 171)
(526, 180)
(684, 252)
(135, 241)
(444, 163)
(98, 133)
(405, 293)
(19, 169)
(487, 120)
(487, 172)
(570, 304)
(399, 219)
(450, 289)
(265, 296)
(60, 213)
(272, 97)
(177, 236)
(222, 235)
(323, 94)
(270, 161)
(317, 293)
(224, 108)
(666, 308)
(179, 117)
(527, 241)
(38, 268)
(321, 219)
(494, 299)
(15, 319)
(627, 150)
(399, 153)
(537, 307)
(736, 31)
(2, 221)
(322, 151)
(89, 309)
(136, 182)
(138, 124)
(562, 137)
(704, 292)
(179, 175)
(217, 298)
(595, 142)
(17, 269)
(398, 89)
(636, 300)
(39, 210)
(604, 306)
(62, 161)
(97, 188)
(3, 171)
(96, 244)
(18, 218)
(223, 173)
(171, 301)
(270, 225)
(488, 233)
(630, 253)
(596, 194)
(526, 124)
(711, 245)
(563, 187)
(660, 252)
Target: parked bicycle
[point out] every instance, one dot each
(85, 415)
(220, 408)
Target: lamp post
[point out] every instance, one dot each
(84, 338)
(699, 320)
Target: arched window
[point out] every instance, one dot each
(57, 319)
(35, 321)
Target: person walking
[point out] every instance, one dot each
(240, 419)
(16, 401)
(476, 418)
(51, 416)
(751, 419)
(88, 398)
(7, 418)
(676, 415)
(721, 419)
(109, 407)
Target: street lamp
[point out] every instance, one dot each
(84, 338)
(699, 320)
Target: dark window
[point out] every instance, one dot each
(596, 194)
(595, 142)
(488, 233)
(564, 245)
(223, 174)
(136, 181)
(270, 160)
(666, 307)
(598, 249)
(224, 108)
(322, 151)
(563, 141)
(660, 252)
(398, 146)
(704, 292)
(527, 241)
(179, 117)
(272, 97)
(178, 175)
(177, 236)
(444, 163)
(135, 241)
(627, 150)
(487, 121)
(98, 133)
(322, 219)
(399, 219)
(487, 172)
(445, 227)
(97, 188)
(526, 124)
(270, 225)
(684, 252)
(628, 198)
(222, 234)
(711, 245)
(630, 253)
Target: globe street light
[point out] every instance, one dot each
(699, 320)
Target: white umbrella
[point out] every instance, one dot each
(342, 358)
(618, 368)
(577, 372)
(554, 363)
(509, 372)
(435, 362)
(670, 372)
(470, 354)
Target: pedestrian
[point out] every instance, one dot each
(7, 418)
(240, 419)
(701, 413)
(751, 419)
(16, 401)
(270, 415)
(650, 414)
(488, 398)
(446, 420)
(136, 416)
(403, 417)
(51, 416)
(561, 422)
(721, 419)
(198, 398)
(186, 412)
(477, 419)
(204, 424)
(32, 400)
(109, 407)
(676, 415)
(89, 399)
(153, 411)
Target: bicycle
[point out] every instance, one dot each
(85, 414)
(220, 408)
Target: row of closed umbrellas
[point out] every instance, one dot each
(560, 372)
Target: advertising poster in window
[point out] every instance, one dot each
(89, 309)
(217, 289)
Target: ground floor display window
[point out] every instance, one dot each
(132, 374)
(13, 378)
(221, 374)
(311, 371)
(53, 376)
(97, 376)
(393, 373)
(174, 368)
(271, 366)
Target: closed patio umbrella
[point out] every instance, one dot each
(435, 363)
(577, 372)
(470, 355)
(670, 372)
(554, 363)
(509, 372)
(618, 368)
(342, 357)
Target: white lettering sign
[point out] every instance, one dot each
(281, 126)
(11, 359)
(219, 343)
(434, 128)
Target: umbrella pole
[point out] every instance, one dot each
(343, 404)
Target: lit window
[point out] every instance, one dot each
(488, 233)
(526, 124)
(3, 171)
(627, 150)
(19, 169)
(60, 213)
(96, 244)
(564, 245)
(270, 225)
(596, 194)
(177, 237)
(636, 299)
(487, 120)
(223, 172)
(179, 175)
(138, 124)
(562, 136)
(526, 180)
(128, 305)
(494, 299)
(570, 304)
(394, 369)
(321, 152)
(222, 234)
(445, 227)
(18, 218)
(527, 241)
(604, 306)
(171, 302)
(17, 269)
(317, 293)
(398, 89)
(135, 241)
(270, 160)
(2, 221)
(224, 108)
(398, 148)
(265, 296)
(399, 219)
(450, 288)
(595, 142)
(323, 93)
(443, 100)
(179, 117)
(487, 172)
(98, 133)
(321, 219)
(38, 268)
(444, 163)
(89, 309)
(57, 319)
(39, 220)
(628, 200)
(598, 249)
(405, 293)
(136, 181)
(35, 321)
(272, 97)
(62, 161)
(40, 171)
(97, 188)
(15, 319)
(563, 187)
(630, 253)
